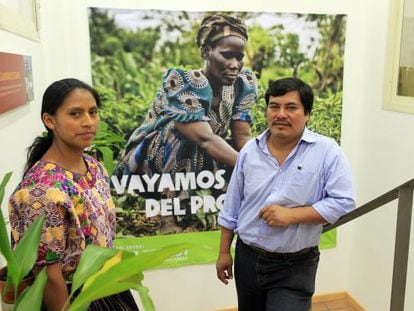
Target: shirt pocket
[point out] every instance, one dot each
(301, 188)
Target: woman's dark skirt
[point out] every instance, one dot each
(123, 301)
(120, 302)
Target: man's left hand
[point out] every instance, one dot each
(276, 215)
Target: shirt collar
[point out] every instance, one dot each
(307, 136)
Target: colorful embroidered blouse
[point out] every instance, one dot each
(79, 211)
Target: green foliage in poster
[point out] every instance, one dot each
(128, 65)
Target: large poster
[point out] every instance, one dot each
(168, 190)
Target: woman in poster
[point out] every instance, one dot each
(199, 119)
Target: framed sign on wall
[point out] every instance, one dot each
(20, 17)
(399, 71)
(16, 81)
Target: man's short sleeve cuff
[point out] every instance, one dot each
(321, 209)
(222, 221)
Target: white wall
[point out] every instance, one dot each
(18, 127)
(384, 155)
(376, 141)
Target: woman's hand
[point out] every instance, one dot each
(200, 133)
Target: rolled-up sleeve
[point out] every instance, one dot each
(338, 195)
(228, 215)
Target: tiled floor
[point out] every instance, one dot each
(333, 305)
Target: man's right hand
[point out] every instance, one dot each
(224, 267)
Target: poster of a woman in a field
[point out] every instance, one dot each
(193, 129)
(181, 97)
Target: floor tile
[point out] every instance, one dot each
(336, 304)
(348, 308)
(319, 307)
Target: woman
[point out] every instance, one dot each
(187, 125)
(71, 188)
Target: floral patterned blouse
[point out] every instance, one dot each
(78, 211)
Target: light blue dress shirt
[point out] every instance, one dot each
(315, 173)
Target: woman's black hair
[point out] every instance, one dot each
(53, 98)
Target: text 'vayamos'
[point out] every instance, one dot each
(162, 182)
(174, 182)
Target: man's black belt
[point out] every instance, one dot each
(283, 255)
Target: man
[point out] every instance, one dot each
(286, 184)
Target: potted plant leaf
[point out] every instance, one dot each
(16, 275)
(101, 271)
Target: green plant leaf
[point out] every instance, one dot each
(3, 184)
(31, 298)
(146, 300)
(5, 248)
(114, 260)
(114, 285)
(91, 261)
(124, 275)
(108, 158)
(25, 253)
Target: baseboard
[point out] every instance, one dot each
(320, 298)
(324, 298)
